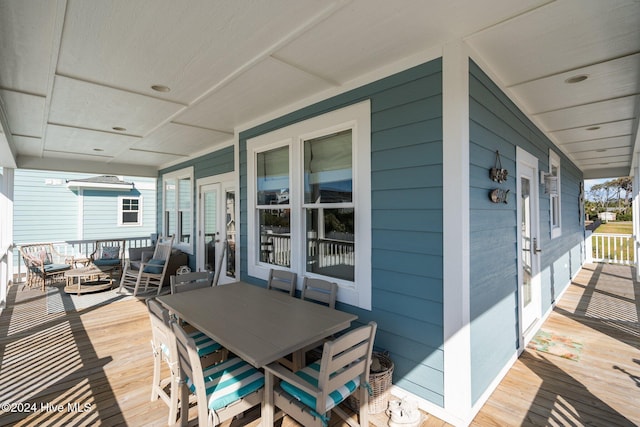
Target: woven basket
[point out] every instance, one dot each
(380, 384)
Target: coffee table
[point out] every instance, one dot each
(88, 279)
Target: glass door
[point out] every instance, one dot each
(528, 239)
(217, 227)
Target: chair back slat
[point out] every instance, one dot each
(190, 281)
(344, 359)
(319, 290)
(219, 264)
(282, 280)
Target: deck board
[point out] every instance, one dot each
(101, 356)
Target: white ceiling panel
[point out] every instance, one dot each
(146, 158)
(590, 114)
(367, 34)
(66, 155)
(559, 37)
(603, 153)
(596, 144)
(24, 112)
(85, 141)
(607, 80)
(27, 146)
(180, 139)
(269, 85)
(188, 47)
(91, 106)
(26, 44)
(623, 127)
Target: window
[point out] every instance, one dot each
(310, 201)
(555, 213)
(178, 208)
(129, 210)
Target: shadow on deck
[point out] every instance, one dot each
(600, 310)
(93, 366)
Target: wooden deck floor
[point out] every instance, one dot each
(93, 366)
(600, 310)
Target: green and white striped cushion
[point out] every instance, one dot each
(204, 344)
(310, 375)
(229, 381)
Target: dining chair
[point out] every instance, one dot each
(282, 280)
(150, 273)
(323, 292)
(222, 391)
(163, 345)
(190, 281)
(319, 291)
(310, 394)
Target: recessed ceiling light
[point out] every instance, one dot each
(119, 128)
(593, 128)
(160, 88)
(577, 79)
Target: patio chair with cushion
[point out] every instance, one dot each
(163, 345)
(222, 391)
(310, 394)
(108, 253)
(282, 280)
(149, 274)
(43, 263)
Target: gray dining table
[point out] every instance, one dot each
(258, 325)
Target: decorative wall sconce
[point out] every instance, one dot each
(496, 173)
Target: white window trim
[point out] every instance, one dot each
(556, 230)
(179, 174)
(121, 211)
(358, 118)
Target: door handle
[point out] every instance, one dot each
(536, 249)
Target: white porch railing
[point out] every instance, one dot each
(610, 248)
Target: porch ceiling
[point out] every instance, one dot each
(74, 74)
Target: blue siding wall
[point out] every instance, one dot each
(46, 210)
(216, 163)
(406, 185)
(497, 124)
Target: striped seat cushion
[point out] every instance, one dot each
(310, 375)
(204, 344)
(229, 381)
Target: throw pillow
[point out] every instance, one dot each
(110, 252)
(154, 266)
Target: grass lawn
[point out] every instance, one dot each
(621, 227)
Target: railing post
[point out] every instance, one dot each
(588, 247)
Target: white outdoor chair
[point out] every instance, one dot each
(310, 394)
(190, 281)
(222, 391)
(150, 273)
(282, 280)
(163, 345)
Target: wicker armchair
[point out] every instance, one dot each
(43, 263)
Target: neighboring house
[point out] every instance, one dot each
(66, 206)
(388, 194)
(607, 216)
